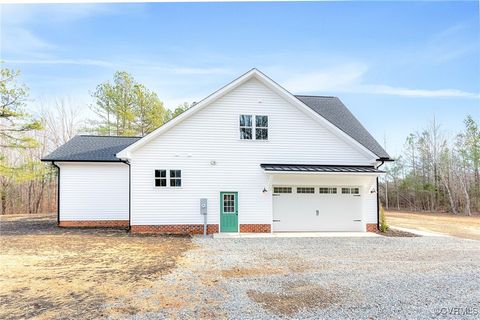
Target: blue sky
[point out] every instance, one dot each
(396, 65)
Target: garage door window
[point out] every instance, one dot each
(305, 190)
(282, 190)
(325, 190)
(350, 191)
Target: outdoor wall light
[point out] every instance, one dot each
(264, 190)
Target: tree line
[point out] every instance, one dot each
(436, 172)
(122, 107)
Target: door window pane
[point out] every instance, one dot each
(228, 203)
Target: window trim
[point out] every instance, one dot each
(251, 127)
(254, 127)
(174, 178)
(167, 179)
(329, 190)
(264, 128)
(351, 190)
(283, 188)
(160, 178)
(304, 189)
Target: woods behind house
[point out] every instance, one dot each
(122, 107)
(434, 172)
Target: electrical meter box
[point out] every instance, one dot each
(203, 206)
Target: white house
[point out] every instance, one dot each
(264, 160)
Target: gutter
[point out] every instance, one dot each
(378, 193)
(129, 193)
(58, 192)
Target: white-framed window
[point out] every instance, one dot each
(160, 178)
(246, 127)
(350, 190)
(261, 127)
(305, 190)
(253, 127)
(175, 178)
(324, 190)
(282, 189)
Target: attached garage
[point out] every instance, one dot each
(310, 198)
(327, 208)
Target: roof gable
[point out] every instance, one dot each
(254, 73)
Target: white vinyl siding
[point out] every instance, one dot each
(93, 191)
(193, 144)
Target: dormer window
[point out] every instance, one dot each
(253, 130)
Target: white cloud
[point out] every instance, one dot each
(333, 79)
(85, 62)
(408, 92)
(22, 41)
(350, 78)
(200, 71)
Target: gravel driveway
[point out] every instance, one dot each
(340, 278)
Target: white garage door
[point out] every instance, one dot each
(317, 209)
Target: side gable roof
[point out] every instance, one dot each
(332, 109)
(91, 148)
(254, 73)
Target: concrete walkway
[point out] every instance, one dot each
(235, 235)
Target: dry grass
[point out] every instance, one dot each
(296, 297)
(459, 226)
(48, 272)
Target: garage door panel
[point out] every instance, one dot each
(317, 212)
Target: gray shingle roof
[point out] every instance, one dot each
(318, 168)
(91, 148)
(333, 110)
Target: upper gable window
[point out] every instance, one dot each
(246, 127)
(261, 127)
(253, 130)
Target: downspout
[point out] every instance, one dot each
(58, 192)
(378, 199)
(129, 194)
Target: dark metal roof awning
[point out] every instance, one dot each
(318, 168)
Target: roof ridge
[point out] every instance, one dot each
(315, 96)
(105, 136)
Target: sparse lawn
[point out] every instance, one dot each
(48, 272)
(456, 225)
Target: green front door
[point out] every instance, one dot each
(228, 211)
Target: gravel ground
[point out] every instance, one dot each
(311, 278)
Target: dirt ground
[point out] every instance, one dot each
(48, 272)
(467, 227)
